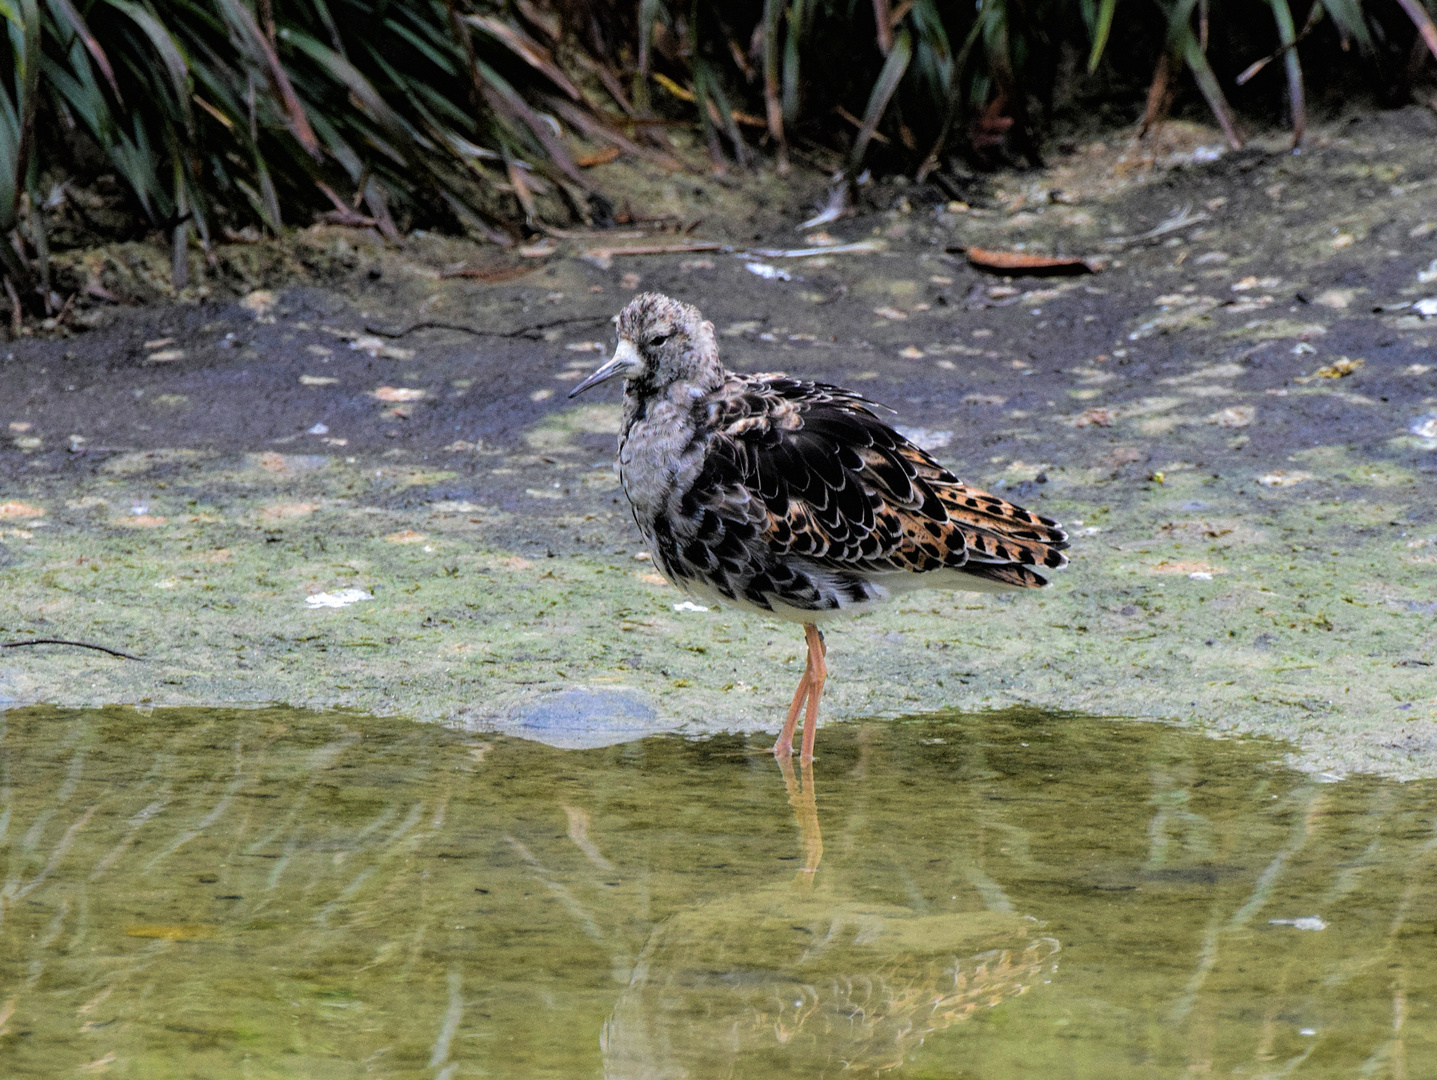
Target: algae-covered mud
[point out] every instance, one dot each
(353, 479)
(280, 893)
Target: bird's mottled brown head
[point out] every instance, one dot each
(662, 342)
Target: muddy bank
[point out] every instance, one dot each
(1237, 415)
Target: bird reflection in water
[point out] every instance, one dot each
(805, 978)
(805, 811)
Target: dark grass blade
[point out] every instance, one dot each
(441, 111)
(65, 13)
(1287, 34)
(1423, 21)
(773, 106)
(248, 33)
(1347, 16)
(1100, 27)
(894, 67)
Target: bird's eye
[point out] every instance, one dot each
(659, 338)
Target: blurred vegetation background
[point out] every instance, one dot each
(215, 120)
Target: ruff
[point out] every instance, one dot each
(792, 498)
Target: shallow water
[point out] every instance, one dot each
(217, 893)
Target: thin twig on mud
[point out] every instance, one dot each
(523, 331)
(74, 644)
(655, 249)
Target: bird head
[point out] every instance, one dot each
(661, 342)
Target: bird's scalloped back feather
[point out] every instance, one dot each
(818, 475)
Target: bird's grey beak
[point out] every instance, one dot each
(625, 360)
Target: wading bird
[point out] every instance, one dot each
(792, 498)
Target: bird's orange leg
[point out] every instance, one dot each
(784, 747)
(818, 673)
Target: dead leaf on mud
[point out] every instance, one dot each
(1252, 281)
(286, 511)
(1283, 479)
(406, 536)
(1339, 369)
(747, 326)
(1186, 568)
(11, 511)
(1234, 416)
(1021, 263)
(1211, 371)
(398, 393)
(259, 303)
(288, 464)
(1335, 298)
(376, 346)
(1093, 418)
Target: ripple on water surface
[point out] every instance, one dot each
(277, 893)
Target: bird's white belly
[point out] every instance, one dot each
(887, 585)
